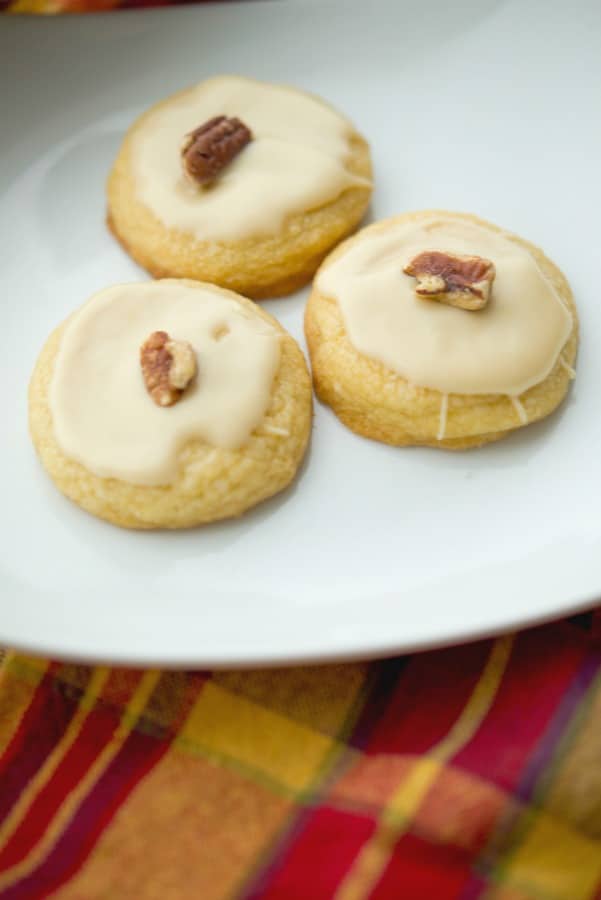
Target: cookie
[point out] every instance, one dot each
(238, 182)
(170, 404)
(441, 329)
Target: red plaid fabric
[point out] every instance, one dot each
(470, 772)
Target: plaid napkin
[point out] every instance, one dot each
(471, 772)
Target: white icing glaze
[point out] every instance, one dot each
(569, 369)
(505, 348)
(519, 408)
(296, 161)
(102, 414)
(275, 430)
(442, 423)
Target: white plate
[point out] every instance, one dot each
(485, 107)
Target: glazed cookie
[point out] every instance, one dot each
(439, 328)
(238, 182)
(170, 404)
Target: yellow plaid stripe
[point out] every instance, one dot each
(372, 859)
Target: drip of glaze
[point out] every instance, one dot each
(275, 429)
(569, 369)
(442, 425)
(519, 408)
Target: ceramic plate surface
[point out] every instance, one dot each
(485, 107)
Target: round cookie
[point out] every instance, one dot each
(420, 372)
(269, 216)
(232, 437)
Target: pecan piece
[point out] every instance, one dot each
(211, 147)
(168, 367)
(463, 281)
